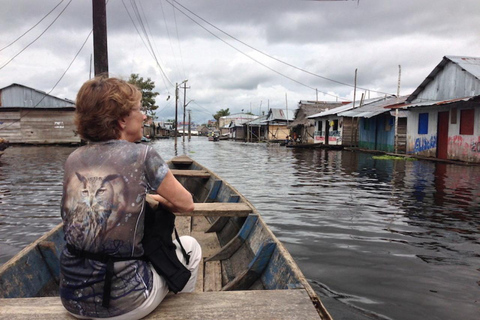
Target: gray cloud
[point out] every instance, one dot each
(330, 39)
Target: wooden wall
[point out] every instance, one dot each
(349, 131)
(39, 126)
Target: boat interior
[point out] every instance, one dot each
(246, 272)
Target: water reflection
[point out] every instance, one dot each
(386, 239)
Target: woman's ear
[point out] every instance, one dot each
(122, 123)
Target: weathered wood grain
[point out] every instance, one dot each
(256, 304)
(190, 173)
(213, 277)
(219, 209)
(182, 160)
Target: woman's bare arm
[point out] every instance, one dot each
(173, 195)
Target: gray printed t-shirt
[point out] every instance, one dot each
(102, 209)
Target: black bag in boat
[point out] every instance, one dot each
(159, 248)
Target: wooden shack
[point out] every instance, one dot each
(277, 122)
(302, 126)
(30, 116)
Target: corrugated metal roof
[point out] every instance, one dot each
(342, 108)
(308, 108)
(20, 96)
(257, 122)
(469, 64)
(374, 108)
(275, 114)
(239, 116)
(438, 103)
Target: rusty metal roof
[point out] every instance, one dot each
(439, 103)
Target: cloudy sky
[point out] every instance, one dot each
(243, 55)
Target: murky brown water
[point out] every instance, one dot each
(377, 239)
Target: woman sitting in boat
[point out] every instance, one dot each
(103, 270)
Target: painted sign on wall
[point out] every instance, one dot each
(425, 143)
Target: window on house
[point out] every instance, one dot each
(423, 123)
(335, 125)
(467, 118)
(320, 126)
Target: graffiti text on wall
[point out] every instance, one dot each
(422, 144)
(475, 146)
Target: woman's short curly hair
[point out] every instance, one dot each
(100, 103)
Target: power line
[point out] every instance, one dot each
(154, 44)
(262, 64)
(170, 42)
(178, 41)
(149, 47)
(61, 77)
(271, 57)
(32, 27)
(58, 16)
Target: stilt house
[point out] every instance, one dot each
(376, 125)
(256, 130)
(304, 127)
(277, 121)
(31, 116)
(229, 124)
(444, 112)
(335, 130)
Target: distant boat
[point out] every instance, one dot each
(224, 136)
(246, 273)
(213, 135)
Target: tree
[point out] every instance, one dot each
(148, 96)
(221, 113)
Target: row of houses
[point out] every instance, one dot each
(440, 119)
(272, 127)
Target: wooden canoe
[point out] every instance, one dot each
(246, 273)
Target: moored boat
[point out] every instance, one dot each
(246, 272)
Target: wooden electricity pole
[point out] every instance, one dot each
(100, 51)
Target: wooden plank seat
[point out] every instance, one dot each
(219, 209)
(255, 304)
(191, 173)
(217, 223)
(182, 160)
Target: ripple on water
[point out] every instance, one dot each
(389, 236)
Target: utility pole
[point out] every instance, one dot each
(396, 109)
(184, 106)
(176, 112)
(100, 50)
(176, 109)
(189, 124)
(355, 89)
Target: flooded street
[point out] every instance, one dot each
(377, 239)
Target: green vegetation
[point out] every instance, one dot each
(387, 157)
(221, 113)
(148, 96)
